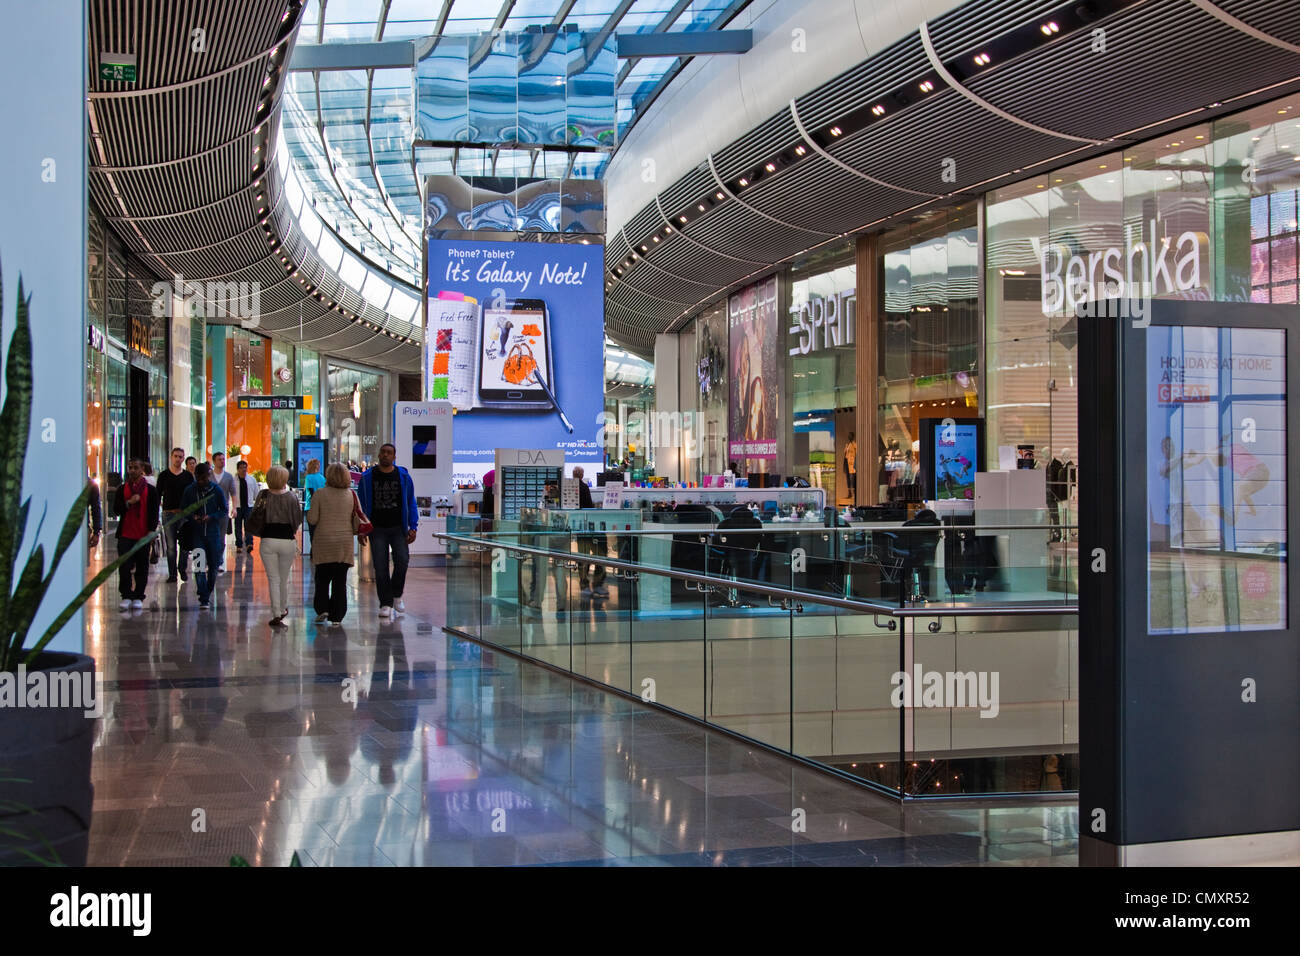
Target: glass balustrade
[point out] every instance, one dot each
(923, 661)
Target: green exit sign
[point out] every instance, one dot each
(117, 67)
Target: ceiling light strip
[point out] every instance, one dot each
(985, 104)
(803, 132)
(780, 222)
(695, 242)
(641, 257)
(1241, 26)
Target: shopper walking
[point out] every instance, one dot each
(136, 502)
(275, 518)
(314, 481)
(171, 487)
(333, 516)
(190, 464)
(226, 482)
(388, 497)
(596, 545)
(206, 529)
(246, 490)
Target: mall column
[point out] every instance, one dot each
(43, 240)
(1189, 667)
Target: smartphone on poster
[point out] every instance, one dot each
(515, 349)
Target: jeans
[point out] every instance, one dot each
(596, 545)
(134, 574)
(381, 540)
(241, 516)
(331, 589)
(213, 549)
(277, 557)
(171, 544)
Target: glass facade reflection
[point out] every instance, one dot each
(928, 341)
(356, 408)
(540, 89)
(1208, 212)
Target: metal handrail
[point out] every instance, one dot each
(789, 526)
(865, 607)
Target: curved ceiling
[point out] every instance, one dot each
(180, 166)
(924, 123)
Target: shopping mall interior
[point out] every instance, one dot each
(916, 489)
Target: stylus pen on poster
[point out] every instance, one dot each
(554, 401)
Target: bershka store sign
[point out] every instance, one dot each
(1155, 265)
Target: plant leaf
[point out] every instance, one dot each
(15, 427)
(27, 598)
(26, 604)
(88, 591)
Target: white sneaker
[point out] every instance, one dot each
(399, 605)
(137, 605)
(336, 623)
(386, 612)
(125, 605)
(322, 617)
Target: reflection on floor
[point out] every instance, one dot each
(390, 743)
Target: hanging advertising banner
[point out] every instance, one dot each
(515, 341)
(754, 400)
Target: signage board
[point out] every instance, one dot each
(275, 402)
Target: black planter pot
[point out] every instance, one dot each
(50, 747)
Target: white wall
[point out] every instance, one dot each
(43, 239)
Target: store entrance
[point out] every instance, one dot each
(137, 431)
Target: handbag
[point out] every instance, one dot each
(364, 526)
(255, 523)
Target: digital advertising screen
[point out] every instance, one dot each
(515, 342)
(956, 452)
(305, 449)
(1216, 479)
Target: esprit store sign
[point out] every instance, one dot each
(832, 316)
(1153, 266)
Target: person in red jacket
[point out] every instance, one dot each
(137, 505)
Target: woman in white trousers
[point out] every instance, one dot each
(280, 522)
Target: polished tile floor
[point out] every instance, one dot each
(391, 743)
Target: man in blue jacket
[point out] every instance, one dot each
(388, 498)
(206, 530)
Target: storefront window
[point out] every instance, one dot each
(284, 422)
(356, 414)
(822, 370)
(928, 341)
(1208, 213)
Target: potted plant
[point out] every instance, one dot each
(45, 740)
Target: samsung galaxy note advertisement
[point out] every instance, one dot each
(515, 342)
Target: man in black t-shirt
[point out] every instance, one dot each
(171, 486)
(387, 496)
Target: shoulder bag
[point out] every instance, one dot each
(255, 523)
(364, 526)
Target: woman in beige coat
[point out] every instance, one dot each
(333, 516)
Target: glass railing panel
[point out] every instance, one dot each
(747, 663)
(667, 648)
(545, 621)
(601, 620)
(992, 705)
(503, 590)
(463, 570)
(843, 665)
